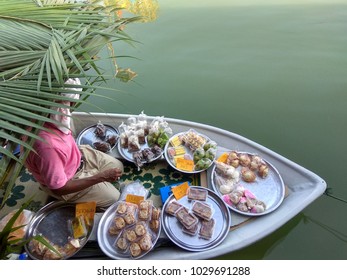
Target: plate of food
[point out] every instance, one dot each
(55, 224)
(190, 151)
(247, 183)
(198, 221)
(128, 230)
(141, 142)
(140, 153)
(102, 137)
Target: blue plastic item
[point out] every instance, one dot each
(165, 192)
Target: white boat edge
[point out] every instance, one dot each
(303, 185)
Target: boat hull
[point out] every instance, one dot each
(302, 186)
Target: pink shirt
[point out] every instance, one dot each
(56, 160)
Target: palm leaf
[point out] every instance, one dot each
(42, 44)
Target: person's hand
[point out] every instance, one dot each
(111, 175)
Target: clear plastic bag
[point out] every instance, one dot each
(135, 188)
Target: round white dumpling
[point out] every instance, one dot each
(224, 189)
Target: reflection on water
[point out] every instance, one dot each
(273, 73)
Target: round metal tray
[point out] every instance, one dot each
(188, 151)
(88, 137)
(173, 228)
(129, 155)
(270, 190)
(107, 241)
(51, 221)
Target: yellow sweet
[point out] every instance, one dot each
(176, 141)
(180, 150)
(177, 157)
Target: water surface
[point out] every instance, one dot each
(272, 71)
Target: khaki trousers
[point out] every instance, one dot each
(104, 193)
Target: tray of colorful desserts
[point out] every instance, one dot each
(198, 221)
(190, 151)
(142, 142)
(128, 230)
(247, 183)
(102, 137)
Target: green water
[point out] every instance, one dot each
(272, 71)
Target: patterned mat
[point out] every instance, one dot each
(25, 188)
(158, 174)
(153, 176)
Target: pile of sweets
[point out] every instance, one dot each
(137, 132)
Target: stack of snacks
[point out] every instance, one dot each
(196, 220)
(234, 167)
(125, 215)
(136, 133)
(159, 132)
(244, 200)
(136, 228)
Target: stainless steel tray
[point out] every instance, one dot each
(129, 156)
(170, 161)
(87, 136)
(173, 228)
(51, 221)
(107, 241)
(270, 190)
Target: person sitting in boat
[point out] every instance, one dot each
(70, 172)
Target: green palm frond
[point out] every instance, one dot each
(42, 44)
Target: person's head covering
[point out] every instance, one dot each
(73, 81)
(65, 119)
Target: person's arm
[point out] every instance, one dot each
(76, 185)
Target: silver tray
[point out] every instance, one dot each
(129, 155)
(270, 190)
(188, 151)
(88, 137)
(107, 242)
(173, 228)
(52, 222)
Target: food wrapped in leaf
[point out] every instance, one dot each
(210, 144)
(211, 153)
(198, 154)
(203, 163)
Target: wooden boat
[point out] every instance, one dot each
(302, 187)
